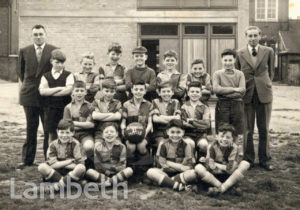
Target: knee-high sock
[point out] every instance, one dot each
(123, 175)
(54, 176)
(186, 177)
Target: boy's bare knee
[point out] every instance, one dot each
(190, 142)
(80, 169)
(202, 145)
(151, 172)
(44, 169)
(200, 170)
(88, 145)
(244, 166)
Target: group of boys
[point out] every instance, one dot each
(87, 117)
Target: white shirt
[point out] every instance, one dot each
(36, 46)
(56, 75)
(250, 49)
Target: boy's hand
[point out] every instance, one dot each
(184, 168)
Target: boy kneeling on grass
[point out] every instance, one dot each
(222, 158)
(174, 160)
(109, 158)
(64, 159)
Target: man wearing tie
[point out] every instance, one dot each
(257, 63)
(34, 61)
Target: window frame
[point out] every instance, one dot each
(180, 6)
(266, 19)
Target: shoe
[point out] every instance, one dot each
(266, 166)
(22, 166)
(213, 191)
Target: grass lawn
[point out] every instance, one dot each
(279, 189)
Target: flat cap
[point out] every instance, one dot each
(58, 55)
(140, 49)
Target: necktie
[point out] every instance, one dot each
(38, 53)
(254, 53)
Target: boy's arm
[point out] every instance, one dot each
(45, 90)
(66, 90)
(208, 85)
(122, 162)
(205, 122)
(106, 116)
(77, 154)
(67, 114)
(185, 118)
(180, 90)
(217, 88)
(123, 125)
(152, 85)
(149, 126)
(52, 158)
(95, 86)
(128, 80)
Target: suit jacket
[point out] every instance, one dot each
(259, 75)
(30, 72)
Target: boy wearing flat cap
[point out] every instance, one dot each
(56, 85)
(141, 73)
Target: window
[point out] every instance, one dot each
(223, 29)
(194, 29)
(266, 10)
(156, 29)
(185, 4)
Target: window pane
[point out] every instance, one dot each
(271, 9)
(194, 30)
(159, 30)
(195, 3)
(222, 29)
(260, 9)
(157, 3)
(223, 3)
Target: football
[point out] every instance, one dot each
(134, 133)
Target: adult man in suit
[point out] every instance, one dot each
(257, 63)
(34, 61)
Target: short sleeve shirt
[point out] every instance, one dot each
(83, 114)
(132, 113)
(105, 158)
(59, 151)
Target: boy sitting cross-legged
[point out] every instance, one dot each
(222, 158)
(107, 109)
(196, 119)
(174, 160)
(109, 158)
(64, 158)
(79, 112)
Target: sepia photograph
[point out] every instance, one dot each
(150, 104)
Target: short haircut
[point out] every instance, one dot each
(252, 28)
(79, 84)
(165, 85)
(65, 125)
(198, 61)
(107, 124)
(57, 54)
(88, 55)
(194, 84)
(38, 26)
(116, 47)
(139, 83)
(170, 53)
(109, 84)
(224, 127)
(175, 123)
(228, 52)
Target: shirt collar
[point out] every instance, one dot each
(42, 46)
(82, 72)
(229, 71)
(132, 101)
(190, 104)
(84, 102)
(250, 48)
(166, 72)
(56, 72)
(59, 141)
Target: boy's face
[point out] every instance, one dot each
(38, 36)
(253, 37)
(170, 62)
(166, 93)
(140, 58)
(228, 61)
(225, 139)
(109, 134)
(57, 65)
(65, 135)
(175, 134)
(114, 56)
(194, 93)
(138, 91)
(78, 93)
(198, 69)
(87, 64)
(108, 93)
